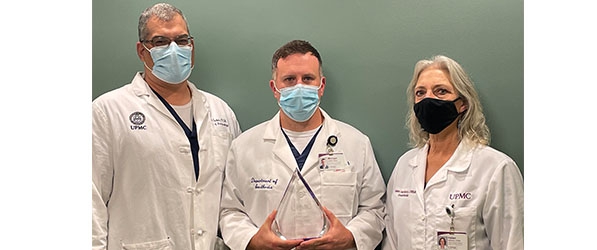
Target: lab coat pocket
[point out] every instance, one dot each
(165, 244)
(220, 144)
(338, 190)
(466, 221)
(465, 218)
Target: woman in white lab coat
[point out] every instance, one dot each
(451, 183)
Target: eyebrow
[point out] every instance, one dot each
(434, 85)
(299, 75)
(179, 36)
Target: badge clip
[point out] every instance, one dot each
(332, 140)
(450, 212)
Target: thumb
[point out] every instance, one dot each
(331, 217)
(270, 218)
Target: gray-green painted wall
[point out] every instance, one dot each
(369, 49)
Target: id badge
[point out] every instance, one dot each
(452, 240)
(334, 161)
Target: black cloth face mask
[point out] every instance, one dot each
(435, 115)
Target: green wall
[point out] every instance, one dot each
(369, 49)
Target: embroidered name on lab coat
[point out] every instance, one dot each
(263, 183)
(220, 122)
(405, 192)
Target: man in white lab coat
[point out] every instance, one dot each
(159, 148)
(261, 162)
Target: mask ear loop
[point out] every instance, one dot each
(144, 63)
(460, 98)
(279, 92)
(460, 114)
(276, 88)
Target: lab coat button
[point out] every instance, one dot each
(190, 190)
(199, 232)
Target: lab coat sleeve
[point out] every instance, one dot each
(236, 130)
(388, 240)
(504, 208)
(236, 226)
(102, 173)
(368, 224)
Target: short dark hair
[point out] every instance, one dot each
(294, 47)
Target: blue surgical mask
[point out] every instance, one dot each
(299, 102)
(171, 63)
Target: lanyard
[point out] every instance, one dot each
(191, 134)
(301, 158)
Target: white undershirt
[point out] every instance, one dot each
(185, 112)
(300, 139)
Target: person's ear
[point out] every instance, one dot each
(322, 88)
(463, 108)
(140, 50)
(272, 86)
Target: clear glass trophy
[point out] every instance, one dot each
(300, 215)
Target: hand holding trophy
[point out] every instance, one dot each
(300, 215)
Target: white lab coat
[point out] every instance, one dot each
(262, 155)
(484, 185)
(145, 195)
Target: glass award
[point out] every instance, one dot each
(300, 215)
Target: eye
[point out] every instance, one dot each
(289, 79)
(308, 79)
(160, 41)
(185, 40)
(440, 91)
(419, 93)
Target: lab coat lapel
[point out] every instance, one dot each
(458, 162)
(142, 90)
(200, 106)
(204, 131)
(462, 157)
(418, 164)
(281, 150)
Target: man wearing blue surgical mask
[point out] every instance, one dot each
(262, 161)
(159, 148)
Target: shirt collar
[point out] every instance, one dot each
(459, 162)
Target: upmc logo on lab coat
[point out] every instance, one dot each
(137, 119)
(461, 196)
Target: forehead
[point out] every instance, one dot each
(298, 63)
(431, 77)
(173, 27)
